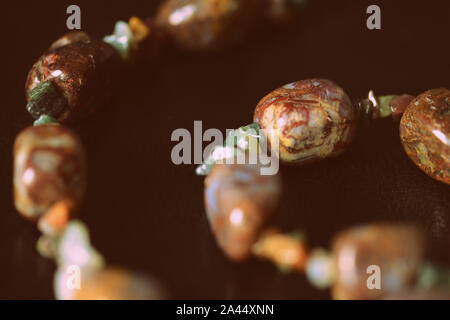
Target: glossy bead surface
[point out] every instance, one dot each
(425, 133)
(238, 201)
(397, 250)
(117, 284)
(315, 119)
(205, 25)
(49, 166)
(82, 72)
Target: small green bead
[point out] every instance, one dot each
(121, 39)
(385, 108)
(238, 140)
(45, 119)
(46, 99)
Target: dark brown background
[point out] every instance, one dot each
(147, 214)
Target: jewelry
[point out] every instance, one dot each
(316, 119)
(64, 86)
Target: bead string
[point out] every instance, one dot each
(44, 151)
(239, 202)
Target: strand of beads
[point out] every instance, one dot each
(316, 120)
(70, 81)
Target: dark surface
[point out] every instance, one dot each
(147, 214)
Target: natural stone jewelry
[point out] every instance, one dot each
(73, 79)
(316, 119)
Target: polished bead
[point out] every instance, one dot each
(54, 221)
(425, 133)
(320, 269)
(76, 258)
(117, 284)
(49, 166)
(397, 250)
(69, 38)
(239, 201)
(315, 119)
(287, 251)
(205, 25)
(399, 104)
(74, 248)
(72, 79)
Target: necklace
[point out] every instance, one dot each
(64, 86)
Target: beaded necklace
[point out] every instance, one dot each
(316, 120)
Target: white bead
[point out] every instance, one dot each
(320, 269)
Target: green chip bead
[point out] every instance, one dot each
(45, 99)
(45, 119)
(121, 39)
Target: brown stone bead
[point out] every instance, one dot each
(206, 25)
(315, 119)
(239, 201)
(397, 250)
(49, 166)
(69, 38)
(117, 284)
(425, 133)
(82, 72)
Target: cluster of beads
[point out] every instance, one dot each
(316, 120)
(77, 74)
(73, 79)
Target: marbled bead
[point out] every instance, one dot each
(425, 133)
(315, 119)
(205, 25)
(117, 284)
(239, 201)
(82, 71)
(49, 166)
(397, 250)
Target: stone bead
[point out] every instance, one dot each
(69, 38)
(74, 248)
(117, 284)
(55, 220)
(72, 79)
(205, 25)
(397, 250)
(399, 104)
(49, 166)
(239, 201)
(320, 269)
(425, 133)
(315, 119)
(287, 251)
